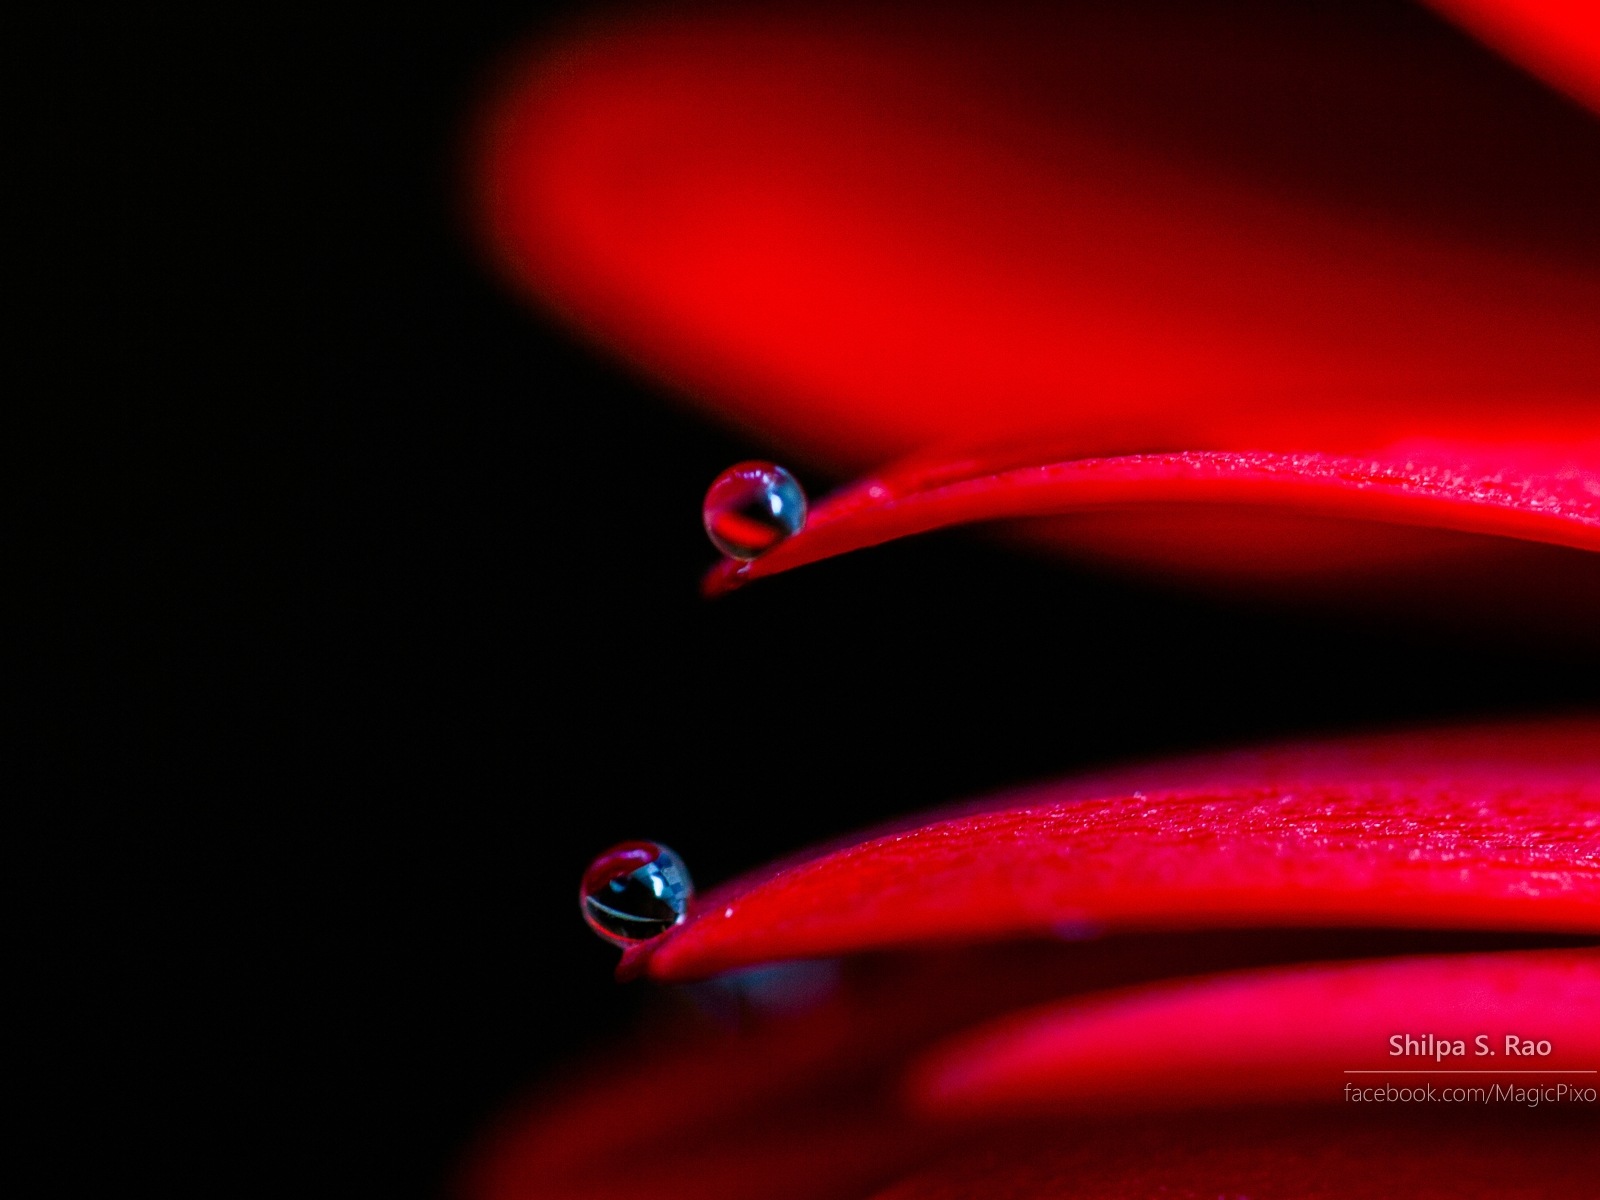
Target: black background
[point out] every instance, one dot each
(358, 609)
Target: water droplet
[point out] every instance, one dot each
(634, 892)
(752, 507)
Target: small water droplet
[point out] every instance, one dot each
(751, 507)
(634, 892)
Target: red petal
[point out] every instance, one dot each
(866, 230)
(1165, 507)
(1295, 1033)
(811, 1102)
(1288, 1157)
(1558, 39)
(792, 1104)
(1494, 828)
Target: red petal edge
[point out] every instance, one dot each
(862, 230)
(1556, 39)
(1549, 495)
(1495, 828)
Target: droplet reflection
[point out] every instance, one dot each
(752, 507)
(634, 892)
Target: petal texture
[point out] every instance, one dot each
(1494, 828)
(1321, 515)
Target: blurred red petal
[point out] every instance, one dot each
(1494, 828)
(1280, 1157)
(1558, 39)
(792, 1103)
(730, 1100)
(865, 230)
(1286, 1033)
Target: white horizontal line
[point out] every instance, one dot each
(1472, 1072)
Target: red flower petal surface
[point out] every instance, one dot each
(1288, 1033)
(813, 1102)
(795, 1103)
(1559, 39)
(1264, 1157)
(1480, 828)
(1228, 514)
(867, 230)
(1493, 828)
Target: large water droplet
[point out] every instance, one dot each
(634, 892)
(752, 507)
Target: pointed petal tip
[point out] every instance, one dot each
(1547, 495)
